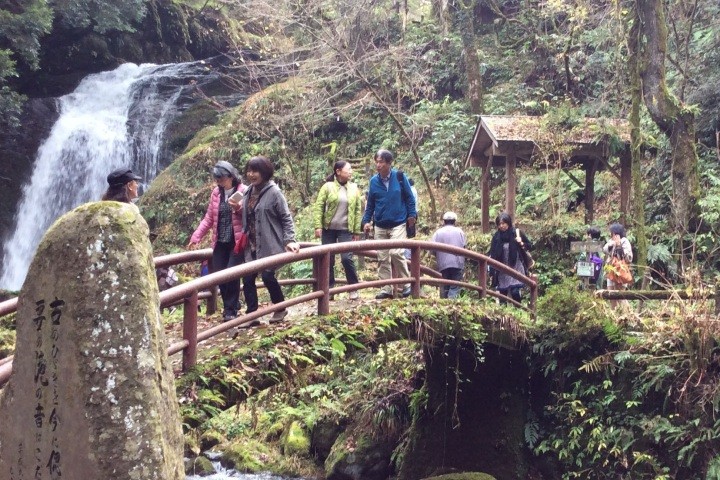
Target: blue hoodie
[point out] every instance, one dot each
(389, 207)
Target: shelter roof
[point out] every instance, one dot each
(497, 135)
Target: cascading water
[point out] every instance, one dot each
(113, 119)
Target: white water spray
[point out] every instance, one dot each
(90, 139)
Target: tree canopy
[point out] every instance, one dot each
(23, 23)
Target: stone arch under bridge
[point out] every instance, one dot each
(477, 341)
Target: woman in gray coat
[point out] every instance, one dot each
(269, 227)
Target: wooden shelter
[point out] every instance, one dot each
(505, 141)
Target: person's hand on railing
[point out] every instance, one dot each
(293, 247)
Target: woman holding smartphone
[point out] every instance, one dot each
(224, 218)
(270, 230)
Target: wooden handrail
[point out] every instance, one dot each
(189, 292)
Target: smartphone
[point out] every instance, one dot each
(236, 197)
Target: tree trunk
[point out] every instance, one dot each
(653, 295)
(675, 121)
(638, 201)
(441, 13)
(465, 19)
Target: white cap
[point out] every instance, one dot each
(450, 216)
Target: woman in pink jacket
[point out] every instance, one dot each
(224, 218)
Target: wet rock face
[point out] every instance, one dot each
(91, 394)
(18, 147)
(168, 33)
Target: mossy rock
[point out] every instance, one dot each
(462, 476)
(179, 133)
(296, 440)
(199, 466)
(7, 344)
(274, 431)
(246, 455)
(7, 339)
(191, 446)
(324, 434)
(359, 457)
(210, 439)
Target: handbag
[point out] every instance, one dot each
(618, 271)
(241, 243)
(527, 259)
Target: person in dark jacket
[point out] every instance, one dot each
(390, 206)
(270, 230)
(505, 248)
(224, 219)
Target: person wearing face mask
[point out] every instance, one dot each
(270, 230)
(337, 213)
(224, 218)
(122, 186)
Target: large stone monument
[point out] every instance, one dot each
(91, 395)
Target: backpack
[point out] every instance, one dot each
(411, 231)
(597, 262)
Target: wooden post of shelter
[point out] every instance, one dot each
(511, 183)
(590, 169)
(485, 198)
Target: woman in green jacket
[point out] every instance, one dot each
(337, 214)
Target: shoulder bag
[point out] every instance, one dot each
(527, 257)
(410, 231)
(618, 270)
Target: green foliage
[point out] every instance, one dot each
(639, 402)
(21, 28)
(101, 15)
(445, 126)
(277, 357)
(564, 117)
(572, 316)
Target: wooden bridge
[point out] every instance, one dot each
(205, 287)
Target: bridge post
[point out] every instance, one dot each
(415, 271)
(211, 305)
(321, 266)
(533, 296)
(190, 305)
(482, 278)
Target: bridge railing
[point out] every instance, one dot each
(189, 293)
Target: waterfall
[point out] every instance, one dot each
(112, 119)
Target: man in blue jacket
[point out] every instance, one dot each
(390, 205)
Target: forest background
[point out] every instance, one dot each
(339, 79)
